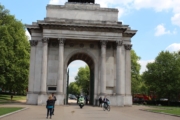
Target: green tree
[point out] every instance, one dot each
(137, 83)
(74, 88)
(163, 75)
(14, 52)
(83, 78)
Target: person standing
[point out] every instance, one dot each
(49, 106)
(77, 99)
(100, 102)
(54, 98)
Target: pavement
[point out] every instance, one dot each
(73, 112)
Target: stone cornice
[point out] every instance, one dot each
(81, 6)
(118, 28)
(129, 33)
(70, 25)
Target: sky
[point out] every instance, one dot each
(157, 22)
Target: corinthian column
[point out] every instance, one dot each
(44, 65)
(128, 69)
(60, 67)
(33, 44)
(103, 68)
(120, 70)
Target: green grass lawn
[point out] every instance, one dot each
(5, 110)
(7, 98)
(168, 110)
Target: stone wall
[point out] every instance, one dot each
(82, 12)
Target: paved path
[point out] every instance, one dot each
(73, 112)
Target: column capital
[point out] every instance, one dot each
(119, 43)
(61, 41)
(33, 42)
(103, 42)
(128, 46)
(45, 40)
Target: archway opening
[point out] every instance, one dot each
(74, 63)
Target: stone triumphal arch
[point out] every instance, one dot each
(80, 31)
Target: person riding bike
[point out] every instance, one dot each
(81, 99)
(105, 101)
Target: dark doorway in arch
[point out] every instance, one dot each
(89, 61)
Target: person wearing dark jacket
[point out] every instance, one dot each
(49, 106)
(105, 101)
(54, 98)
(100, 102)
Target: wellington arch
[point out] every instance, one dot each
(80, 31)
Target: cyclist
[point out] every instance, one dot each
(105, 101)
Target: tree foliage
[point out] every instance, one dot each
(14, 53)
(137, 83)
(163, 75)
(81, 83)
(83, 79)
(74, 88)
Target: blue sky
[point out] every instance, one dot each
(157, 22)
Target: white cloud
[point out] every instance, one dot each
(121, 12)
(161, 30)
(28, 35)
(158, 5)
(57, 2)
(173, 47)
(174, 31)
(143, 64)
(176, 19)
(73, 69)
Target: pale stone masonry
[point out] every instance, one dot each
(79, 31)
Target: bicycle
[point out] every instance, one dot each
(106, 106)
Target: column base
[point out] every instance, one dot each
(59, 100)
(31, 98)
(120, 100)
(128, 100)
(42, 99)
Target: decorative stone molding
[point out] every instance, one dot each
(119, 43)
(33, 42)
(45, 40)
(128, 34)
(61, 41)
(128, 46)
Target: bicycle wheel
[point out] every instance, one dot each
(108, 108)
(104, 108)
